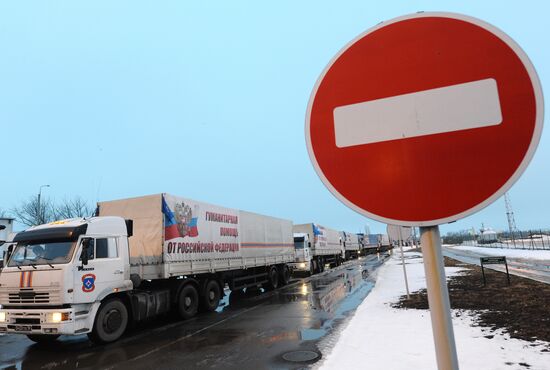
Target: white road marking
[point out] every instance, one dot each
(446, 109)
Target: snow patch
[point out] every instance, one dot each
(379, 336)
(510, 253)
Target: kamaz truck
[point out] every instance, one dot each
(138, 258)
(351, 245)
(316, 246)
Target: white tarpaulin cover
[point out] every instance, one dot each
(187, 236)
(325, 241)
(146, 243)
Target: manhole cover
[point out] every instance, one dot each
(301, 356)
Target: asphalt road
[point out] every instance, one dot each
(253, 330)
(529, 268)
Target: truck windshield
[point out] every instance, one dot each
(299, 242)
(41, 253)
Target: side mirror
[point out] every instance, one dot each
(84, 253)
(309, 245)
(6, 256)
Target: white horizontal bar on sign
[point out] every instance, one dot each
(445, 109)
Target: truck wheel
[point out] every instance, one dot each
(210, 298)
(272, 278)
(321, 265)
(312, 268)
(110, 322)
(188, 301)
(285, 275)
(42, 338)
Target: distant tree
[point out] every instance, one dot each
(31, 212)
(3, 213)
(72, 208)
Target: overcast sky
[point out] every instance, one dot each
(114, 99)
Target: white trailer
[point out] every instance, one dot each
(384, 242)
(138, 258)
(316, 246)
(351, 245)
(371, 243)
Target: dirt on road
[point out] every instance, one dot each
(521, 309)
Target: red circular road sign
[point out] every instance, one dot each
(424, 119)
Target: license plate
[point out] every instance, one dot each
(23, 328)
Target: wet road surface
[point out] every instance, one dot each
(538, 270)
(252, 330)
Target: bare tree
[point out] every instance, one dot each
(3, 213)
(71, 208)
(34, 211)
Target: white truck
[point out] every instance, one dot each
(351, 245)
(139, 258)
(315, 247)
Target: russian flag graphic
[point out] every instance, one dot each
(193, 229)
(316, 230)
(170, 224)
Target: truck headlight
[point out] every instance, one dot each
(2, 316)
(56, 317)
(302, 265)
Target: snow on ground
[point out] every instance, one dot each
(511, 253)
(381, 337)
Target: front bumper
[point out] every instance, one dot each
(300, 266)
(37, 321)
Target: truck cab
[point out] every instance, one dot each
(302, 247)
(57, 277)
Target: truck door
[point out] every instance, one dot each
(103, 273)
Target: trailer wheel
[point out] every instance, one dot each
(42, 338)
(285, 275)
(321, 265)
(188, 301)
(210, 298)
(272, 278)
(110, 322)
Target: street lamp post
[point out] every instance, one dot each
(40, 214)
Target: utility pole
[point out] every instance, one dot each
(40, 213)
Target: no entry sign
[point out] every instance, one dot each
(424, 119)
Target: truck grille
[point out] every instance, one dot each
(29, 296)
(26, 320)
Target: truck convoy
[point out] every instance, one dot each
(139, 258)
(316, 246)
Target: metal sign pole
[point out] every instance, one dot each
(403, 261)
(438, 299)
